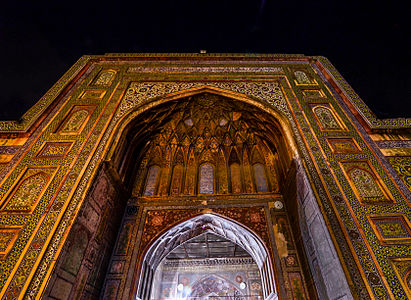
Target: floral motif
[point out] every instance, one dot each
(326, 118)
(301, 77)
(139, 92)
(27, 193)
(105, 78)
(365, 184)
(402, 165)
(5, 239)
(75, 121)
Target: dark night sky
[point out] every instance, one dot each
(367, 44)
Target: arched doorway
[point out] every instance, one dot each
(190, 153)
(206, 151)
(227, 261)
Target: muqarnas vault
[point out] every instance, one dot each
(204, 176)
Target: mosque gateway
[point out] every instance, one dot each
(204, 177)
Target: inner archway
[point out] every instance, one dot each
(229, 262)
(206, 151)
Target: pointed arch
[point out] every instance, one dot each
(222, 180)
(284, 126)
(234, 165)
(214, 289)
(206, 180)
(152, 179)
(198, 225)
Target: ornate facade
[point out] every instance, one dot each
(131, 164)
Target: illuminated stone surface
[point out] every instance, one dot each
(130, 151)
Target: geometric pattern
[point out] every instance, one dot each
(402, 268)
(402, 165)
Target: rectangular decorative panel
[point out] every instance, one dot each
(326, 117)
(394, 229)
(124, 239)
(297, 285)
(93, 94)
(343, 145)
(313, 93)
(302, 77)
(54, 150)
(105, 78)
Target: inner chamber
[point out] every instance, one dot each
(207, 267)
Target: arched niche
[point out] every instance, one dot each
(270, 142)
(223, 125)
(131, 129)
(196, 226)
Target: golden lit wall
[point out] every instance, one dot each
(357, 165)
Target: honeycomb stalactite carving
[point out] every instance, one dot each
(199, 150)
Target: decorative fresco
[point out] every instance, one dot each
(76, 120)
(364, 196)
(343, 145)
(394, 229)
(28, 190)
(55, 150)
(365, 183)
